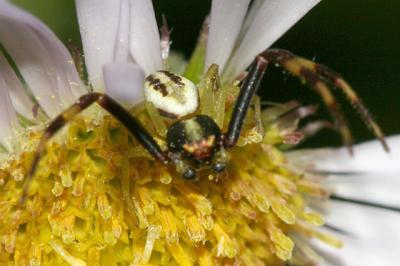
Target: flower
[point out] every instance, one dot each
(99, 198)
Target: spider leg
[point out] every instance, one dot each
(247, 90)
(114, 109)
(317, 76)
(251, 84)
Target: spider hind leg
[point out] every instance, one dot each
(318, 77)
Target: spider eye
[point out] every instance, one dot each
(173, 95)
(189, 174)
(219, 167)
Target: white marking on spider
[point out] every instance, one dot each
(172, 94)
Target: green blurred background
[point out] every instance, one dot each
(358, 38)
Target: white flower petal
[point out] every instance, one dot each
(370, 175)
(144, 40)
(20, 99)
(250, 16)
(368, 223)
(98, 25)
(369, 157)
(356, 252)
(8, 118)
(271, 22)
(42, 60)
(373, 235)
(379, 189)
(124, 81)
(225, 23)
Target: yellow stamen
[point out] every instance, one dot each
(169, 226)
(180, 254)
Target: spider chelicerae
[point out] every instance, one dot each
(196, 142)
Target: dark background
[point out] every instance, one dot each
(358, 38)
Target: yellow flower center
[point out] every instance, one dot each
(98, 198)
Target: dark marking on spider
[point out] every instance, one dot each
(157, 85)
(166, 114)
(197, 142)
(174, 78)
(161, 88)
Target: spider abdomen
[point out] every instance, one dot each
(175, 96)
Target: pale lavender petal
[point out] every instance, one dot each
(272, 21)
(33, 62)
(98, 24)
(144, 40)
(8, 118)
(121, 53)
(41, 58)
(70, 85)
(124, 82)
(20, 99)
(225, 24)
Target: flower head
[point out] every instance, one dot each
(98, 197)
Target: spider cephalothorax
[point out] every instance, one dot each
(195, 141)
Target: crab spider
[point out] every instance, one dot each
(196, 141)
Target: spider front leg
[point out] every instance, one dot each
(315, 76)
(115, 109)
(247, 90)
